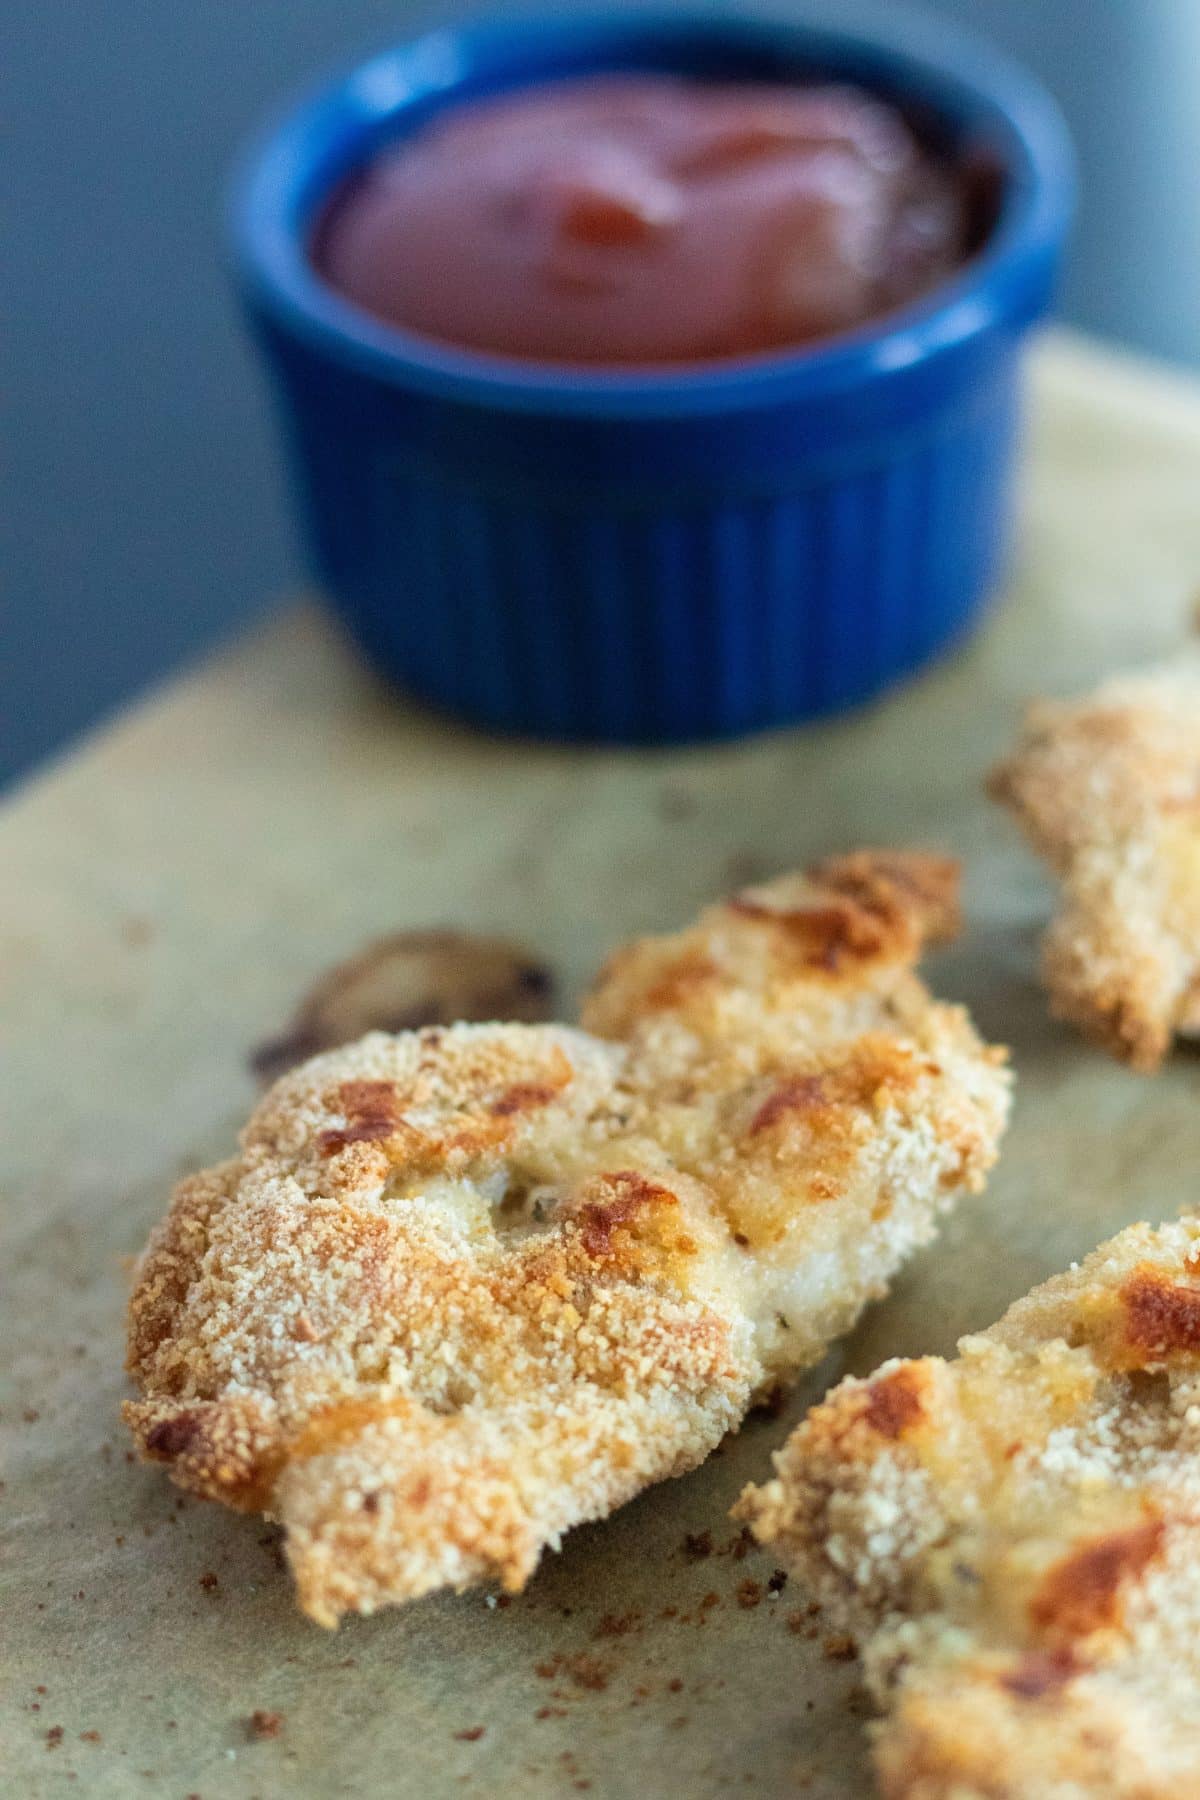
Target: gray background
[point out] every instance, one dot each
(142, 499)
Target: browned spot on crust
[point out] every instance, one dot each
(876, 1072)
(823, 936)
(525, 1096)
(1041, 1673)
(927, 884)
(799, 1095)
(679, 981)
(631, 1194)
(173, 1437)
(1161, 1319)
(894, 1403)
(372, 1116)
(850, 1423)
(1082, 1593)
(868, 905)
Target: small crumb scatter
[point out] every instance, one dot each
(776, 1583)
(54, 1737)
(209, 1583)
(839, 1647)
(675, 1685)
(618, 1624)
(698, 1545)
(749, 1594)
(587, 1672)
(471, 1735)
(90, 1737)
(264, 1724)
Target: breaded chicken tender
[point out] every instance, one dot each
(1013, 1539)
(465, 1288)
(1107, 789)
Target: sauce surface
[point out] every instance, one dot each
(647, 219)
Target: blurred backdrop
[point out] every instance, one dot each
(141, 493)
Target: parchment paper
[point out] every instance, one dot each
(168, 892)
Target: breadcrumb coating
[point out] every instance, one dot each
(1013, 1538)
(1107, 789)
(464, 1288)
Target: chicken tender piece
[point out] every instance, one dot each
(1107, 789)
(465, 1288)
(1013, 1538)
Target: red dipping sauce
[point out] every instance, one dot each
(647, 219)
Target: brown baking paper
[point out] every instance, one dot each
(171, 889)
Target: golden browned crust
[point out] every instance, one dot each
(1107, 788)
(405, 981)
(1013, 1538)
(465, 1288)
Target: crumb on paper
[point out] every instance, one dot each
(618, 1624)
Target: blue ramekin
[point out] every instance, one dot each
(654, 555)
